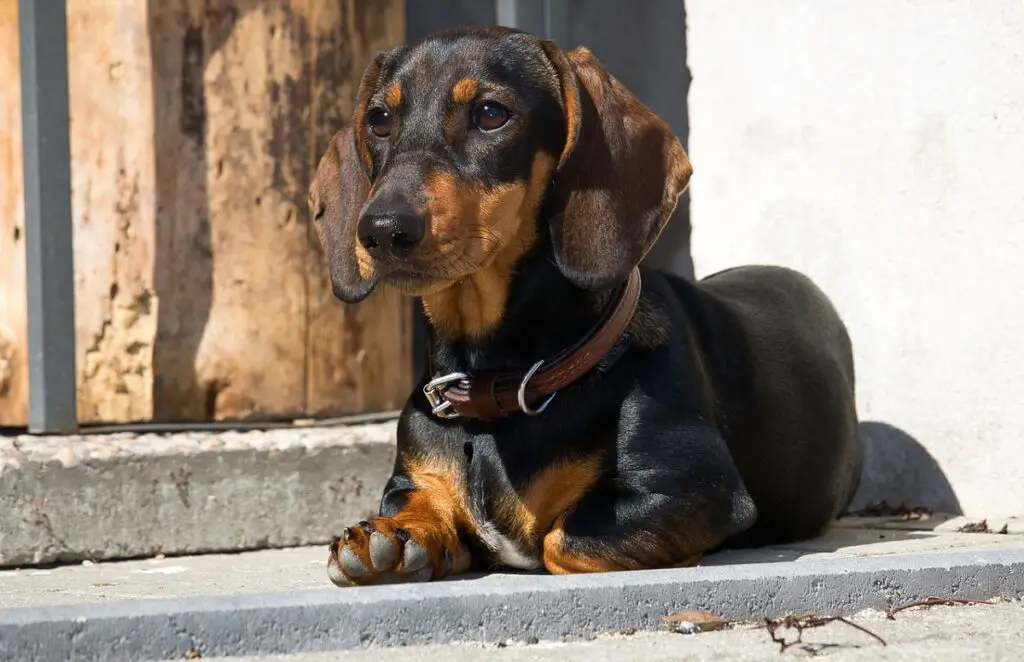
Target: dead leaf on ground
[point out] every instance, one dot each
(705, 622)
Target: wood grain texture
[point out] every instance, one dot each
(13, 305)
(359, 357)
(232, 171)
(112, 167)
(201, 292)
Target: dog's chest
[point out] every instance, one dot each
(504, 549)
(489, 489)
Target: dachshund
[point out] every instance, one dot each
(580, 412)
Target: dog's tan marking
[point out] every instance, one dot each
(481, 233)
(530, 514)
(464, 91)
(393, 95)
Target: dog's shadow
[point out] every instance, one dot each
(899, 470)
(901, 484)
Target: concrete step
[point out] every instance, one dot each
(129, 494)
(280, 601)
(208, 491)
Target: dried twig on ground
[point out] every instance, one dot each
(982, 527)
(801, 622)
(934, 602)
(975, 527)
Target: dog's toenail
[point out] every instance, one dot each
(333, 547)
(346, 535)
(401, 535)
(365, 526)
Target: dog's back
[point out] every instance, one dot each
(780, 363)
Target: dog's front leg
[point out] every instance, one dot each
(654, 511)
(415, 538)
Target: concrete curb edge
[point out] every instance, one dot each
(496, 608)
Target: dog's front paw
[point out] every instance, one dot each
(382, 552)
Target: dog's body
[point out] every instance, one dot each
(723, 416)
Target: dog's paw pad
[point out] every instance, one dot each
(378, 552)
(414, 558)
(383, 552)
(353, 565)
(337, 577)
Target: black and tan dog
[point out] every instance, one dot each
(573, 420)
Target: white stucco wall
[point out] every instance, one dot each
(878, 145)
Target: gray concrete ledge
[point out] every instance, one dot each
(496, 607)
(126, 495)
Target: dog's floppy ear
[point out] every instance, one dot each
(618, 178)
(336, 198)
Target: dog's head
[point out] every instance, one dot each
(459, 141)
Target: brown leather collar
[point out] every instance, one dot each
(490, 395)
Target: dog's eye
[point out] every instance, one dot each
(379, 121)
(490, 116)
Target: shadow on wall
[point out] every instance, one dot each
(898, 469)
(183, 260)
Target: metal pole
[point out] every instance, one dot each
(528, 15)
(544, 18)
(47, 166)
(556, 22)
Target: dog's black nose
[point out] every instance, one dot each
(390, 233)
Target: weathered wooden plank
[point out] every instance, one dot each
(112, 175)
(13, 306)
(232, 162)
(358, 356)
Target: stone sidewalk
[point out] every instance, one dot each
(299, 568)
(280, 601)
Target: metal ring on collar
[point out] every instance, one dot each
(522, 393)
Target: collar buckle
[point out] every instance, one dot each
(440, 405)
